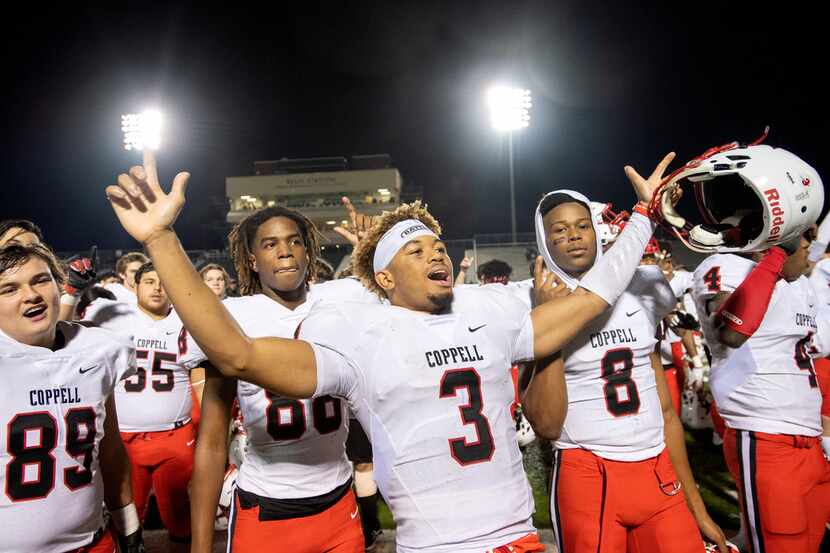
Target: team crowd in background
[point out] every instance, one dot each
(282, 402)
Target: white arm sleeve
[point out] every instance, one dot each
(335, 374)
(610, 276)
(819, 245)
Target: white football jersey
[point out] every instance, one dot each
(613, 407)
(52, 411)
(682, 283)
(158, 397)
(768, 384)
(433, 393)
(296, 447)
(820, 279)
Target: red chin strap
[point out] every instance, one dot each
(655, 211)
(747, 305)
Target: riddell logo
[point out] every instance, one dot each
(773, 199)
(732, 318)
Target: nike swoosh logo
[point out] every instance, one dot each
(86, 370)
(627, 314)
(191, 442)
(354, 514)
(476, 328)
(171, 332)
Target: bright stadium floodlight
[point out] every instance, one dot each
(509, 112)
(509, 108)
(142, 130)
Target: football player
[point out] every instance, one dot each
(60, 448)
(758, 327)
(620, 472)
(425, 375)
(294, 488)
(155, 404)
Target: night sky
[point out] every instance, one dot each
(613, 83)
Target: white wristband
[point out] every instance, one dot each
(126, 519)
(825, 445)
(697, 362)
(69, 299)
(610, 276)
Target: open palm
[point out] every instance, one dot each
(142, 207)
(645, 187)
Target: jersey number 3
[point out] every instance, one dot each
(467, 453)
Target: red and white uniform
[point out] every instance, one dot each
(158, 397)
(433, 393)
(613, 408)
(52, 411)
(613, 482)
(768, 384)
(766, 391)
(296, 447)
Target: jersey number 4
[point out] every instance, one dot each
(617, 365)
(30, 474)
(712, 279)
(464, 452)
(285, 418)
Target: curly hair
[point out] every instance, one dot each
(364, 252)
(241, 241)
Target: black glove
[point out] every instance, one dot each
(684, 321)
(80, 272)
(134, 543)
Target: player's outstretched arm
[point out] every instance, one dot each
(676, 445)
(286, 367)
(558, 321)
(118, 492)
(210, 458)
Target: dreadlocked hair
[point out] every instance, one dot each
(364, 253)
(241, 239)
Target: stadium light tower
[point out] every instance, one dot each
(142, 130)
(510, 112)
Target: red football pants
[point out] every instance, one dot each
(784, 486)
(163, 461)
(335, 530)
(673, 384)
(605, 506)
(528, 544)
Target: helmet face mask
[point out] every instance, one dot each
(608, 223)
(749, 198)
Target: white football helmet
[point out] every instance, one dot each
(712, 548)
(608, 223)
(749, 198)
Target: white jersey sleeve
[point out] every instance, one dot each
(681, 283)
(52, 413)
(821, 339)
(820, 279)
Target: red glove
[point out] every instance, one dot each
(746, 307)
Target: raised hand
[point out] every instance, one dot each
(466, 263)
(359, 224)
(645, 187)
(546, 285)
(142, 207)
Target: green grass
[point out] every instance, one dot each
(706, 460)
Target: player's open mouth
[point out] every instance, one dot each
(441, 276)
(36, 313)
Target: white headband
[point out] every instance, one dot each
(395, 238)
